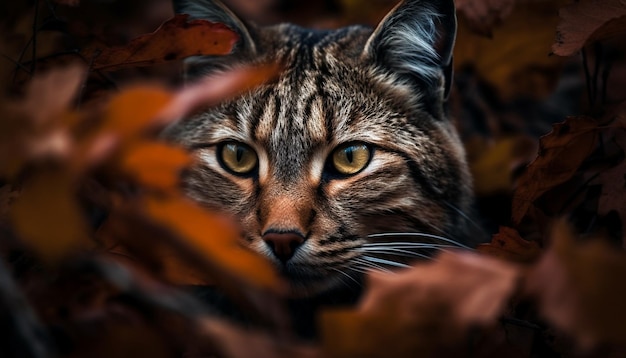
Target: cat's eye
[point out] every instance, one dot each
(238, 158)
(350, 159)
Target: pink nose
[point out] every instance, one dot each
(283, 244)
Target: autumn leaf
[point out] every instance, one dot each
(176, 39)
(514, 60)
(579, 288)
(214, 89)
(484, 14)
(68, 2)
(561, 152)
(213, 238)
(132, 112)
(48, 218)
(508, 245)
(587, 21)
(235, 342)
(155, 165)
(423, 311)
(34, 127)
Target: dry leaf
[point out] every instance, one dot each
(561, 153)
(217, 88)
(34, 128)
(48, 218)
(515, 59)
(235, 342)
(507, 244)
(423, 311)
(132, 112)
(484, 14)
(155, 165)
(176, 39)
(580, 288)
(587, 21)
(213, 238)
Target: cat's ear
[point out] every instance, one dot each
(215, 11)
(415, 40)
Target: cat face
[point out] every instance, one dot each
(350, 142)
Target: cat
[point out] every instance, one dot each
(348, 161)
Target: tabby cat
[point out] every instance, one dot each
(347, 162)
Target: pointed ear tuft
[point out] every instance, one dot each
(415, 41)
(216, 11)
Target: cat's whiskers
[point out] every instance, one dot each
(370, 265)
(346, 275)
(465, 216)
(420, 235)
(384, 262)
(392, 251)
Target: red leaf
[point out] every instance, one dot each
(176, 39)
(423, 311)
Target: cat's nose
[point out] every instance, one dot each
(283, 244)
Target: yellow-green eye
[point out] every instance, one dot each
(238, 157)
(351, 158)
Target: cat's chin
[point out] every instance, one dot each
(304, 286)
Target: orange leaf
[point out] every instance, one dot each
(424, 311)
(133, 111)
(156, 165)
(177, 38)
(48, 218)
(213, 238)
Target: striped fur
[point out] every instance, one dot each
(385, 88)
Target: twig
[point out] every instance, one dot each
(587, 78)
(33, 64)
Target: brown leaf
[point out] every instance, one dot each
(580, 288)
(515, 58)
(613, 196)
(483, 15)
(507, 244)
(176, 39)
(155, 165)
(561, 152)
(217, 88)
(213, 238)
(587, 21)
(47, 217)
(68, 2)
(34, 128)
(238, 343)
(423, 311)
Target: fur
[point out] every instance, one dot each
(382, 87)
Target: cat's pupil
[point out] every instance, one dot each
(240, 153)
(349, 154)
